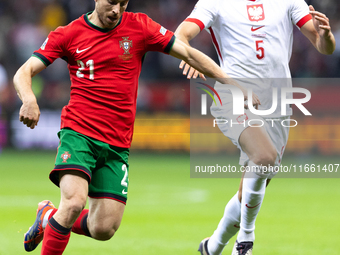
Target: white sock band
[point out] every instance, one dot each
(45, 220)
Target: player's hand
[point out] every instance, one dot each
(255, 99)
(321, 22)
(190, 71)
(29, 114)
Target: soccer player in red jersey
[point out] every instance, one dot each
(104, 50)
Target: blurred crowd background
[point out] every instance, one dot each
(25, 24)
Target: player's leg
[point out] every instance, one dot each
(108, 193)
(230, 223)
(45, 212)
(105, 216)
(74, 190)
(244, 246)
(257, 144)
(241, 185)
(228, 226)
(276, 133)
(101, 221)
(75, 161)
(226, 229)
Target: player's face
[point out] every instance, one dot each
(110, 11)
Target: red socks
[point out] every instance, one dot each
(80, 226)
(55, 238)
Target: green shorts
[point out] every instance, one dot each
(106, 166)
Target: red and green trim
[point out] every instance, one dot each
(54, 175)
(42, 58)
(116, 197)
(170, 45)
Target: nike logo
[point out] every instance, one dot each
(251, 207)
(124, 192)
(254, 29)
(80, 51)
(236, 226)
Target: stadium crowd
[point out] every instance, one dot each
(26, 24)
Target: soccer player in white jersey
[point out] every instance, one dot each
(253, 39)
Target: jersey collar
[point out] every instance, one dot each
(104, 30)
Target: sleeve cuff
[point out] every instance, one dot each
(42, 58)
(304, 20)
(170, 44)
(197, 22)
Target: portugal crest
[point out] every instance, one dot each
(65, 156)
(126, 44)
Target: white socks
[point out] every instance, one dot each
(45, 220)
(253, 190)
(254, 186)
(227, 228)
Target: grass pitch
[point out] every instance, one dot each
(169, 213)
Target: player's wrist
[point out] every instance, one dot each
(29, 99)
(328, 44)
(327, 35)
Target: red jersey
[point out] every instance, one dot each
(104, 66)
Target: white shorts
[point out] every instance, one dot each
(233, 125)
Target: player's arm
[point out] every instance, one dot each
(199, 61)
(318, 31)
(187, 31)
(205, 65)
(29, 112)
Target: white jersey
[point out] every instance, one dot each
(253, 39)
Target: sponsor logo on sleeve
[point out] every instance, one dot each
(44, 44)
(163, 30)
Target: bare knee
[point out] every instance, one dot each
(72, 206)
(103, 232)
(105, 216)
(265, 158)
(76, 205)
(257, 144)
